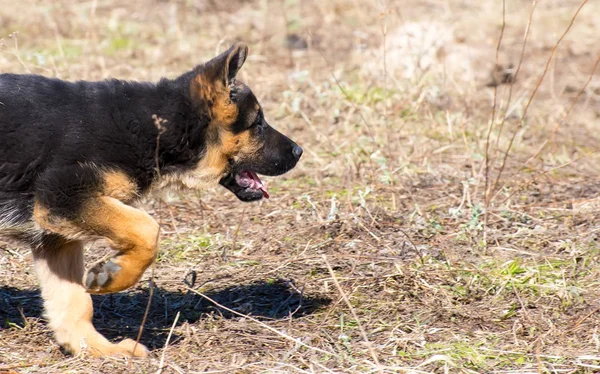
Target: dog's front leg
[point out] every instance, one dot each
(131, 232)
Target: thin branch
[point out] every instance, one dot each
(532, 96)
(383, 26)
(173, 222)
(297, 341)
(15, 36)
(141, 330)
(512, 83)
(564, 119)
(362, 330)
(491, 125)
(594, 311)
(158, 123)
(162, 358)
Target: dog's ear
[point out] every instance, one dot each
(223, 68)
(210, 88)
(236, 56)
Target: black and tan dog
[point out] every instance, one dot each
(74, 157)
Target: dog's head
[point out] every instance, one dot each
(240, 143)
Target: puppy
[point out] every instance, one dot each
(75, 157)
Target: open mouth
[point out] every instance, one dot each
(246, 185)
(248, 179)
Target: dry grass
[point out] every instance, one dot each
(390, 190)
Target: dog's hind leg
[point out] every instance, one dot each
(68, 306)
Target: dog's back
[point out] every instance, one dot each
(48, 123)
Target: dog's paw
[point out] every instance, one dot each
(130, 348)
(125, 348)
(100, 276)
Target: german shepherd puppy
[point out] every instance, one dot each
(75, 157)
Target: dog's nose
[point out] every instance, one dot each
(297, 151)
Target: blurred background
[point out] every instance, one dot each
(449, 179)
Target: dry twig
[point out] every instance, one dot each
(345, 298)
(532, 96)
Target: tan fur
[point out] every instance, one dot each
(223, 112)
(118, 185)
(208, 87)
(60, 270)
(45, 221)
(115, 184)
(223, 146)
(130, 231)
(204, 89)
(68, 306)
(213, 166)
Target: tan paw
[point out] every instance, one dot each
(128, 346)
(124, 348)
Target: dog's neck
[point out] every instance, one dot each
(166, 122)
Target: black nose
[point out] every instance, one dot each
(297, 151)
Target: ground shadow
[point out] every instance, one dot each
(119, 315)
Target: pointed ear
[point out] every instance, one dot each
(210, 87)
(225, 66)
(236, 56)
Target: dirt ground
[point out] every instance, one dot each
(433, 224)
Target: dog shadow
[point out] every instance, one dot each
(119, 315)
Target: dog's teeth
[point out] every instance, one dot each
(249, 179)
(242, 180)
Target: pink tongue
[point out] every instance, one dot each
(249, 179)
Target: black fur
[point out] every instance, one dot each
(56, 137)
(53, 131)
